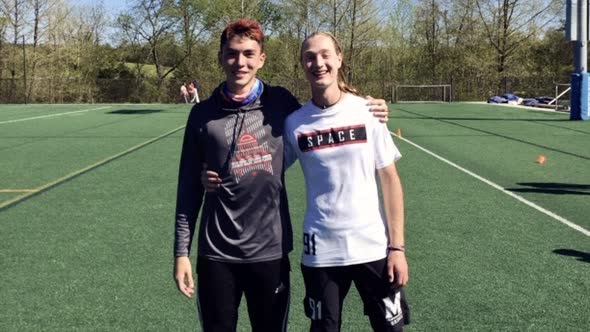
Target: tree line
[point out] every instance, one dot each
(73, 53)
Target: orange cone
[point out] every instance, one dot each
(541, 159)
(398, 133)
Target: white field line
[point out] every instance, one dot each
(53, 115)
(498, 187)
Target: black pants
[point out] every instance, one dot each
(326, 288)
(265, 285)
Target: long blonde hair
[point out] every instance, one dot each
(342, 82)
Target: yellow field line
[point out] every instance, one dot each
(18, 190)
(65, 178)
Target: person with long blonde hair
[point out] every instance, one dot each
(346, 236)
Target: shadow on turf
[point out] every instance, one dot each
(127, 112)
(580, 255)
(495, 134)
(553, 188)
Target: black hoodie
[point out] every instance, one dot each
(247, 218)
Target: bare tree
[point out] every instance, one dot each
(152, 22)
(508, 23)
(89, 24)
(303, 18)
(362, 31)
(338, 9)
(3, 26)
(14, 12)
(41, 10)
(428, 24)
(192, 28)
(398, 41)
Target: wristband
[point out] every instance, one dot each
(396, 248)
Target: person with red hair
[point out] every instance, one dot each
(235, 139)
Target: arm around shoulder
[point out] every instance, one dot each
(379, 108)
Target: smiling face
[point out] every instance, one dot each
(240, 58)
(321, 62)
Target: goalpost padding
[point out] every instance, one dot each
(579, 94)
(424, 93)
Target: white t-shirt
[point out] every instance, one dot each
(340, 148)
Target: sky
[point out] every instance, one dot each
(111, 6)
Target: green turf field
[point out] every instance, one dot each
(495, 240)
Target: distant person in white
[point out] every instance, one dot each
(193, 92)
(346, 237)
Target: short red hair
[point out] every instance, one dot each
(243, 28)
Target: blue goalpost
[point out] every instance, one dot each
(577, 31)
